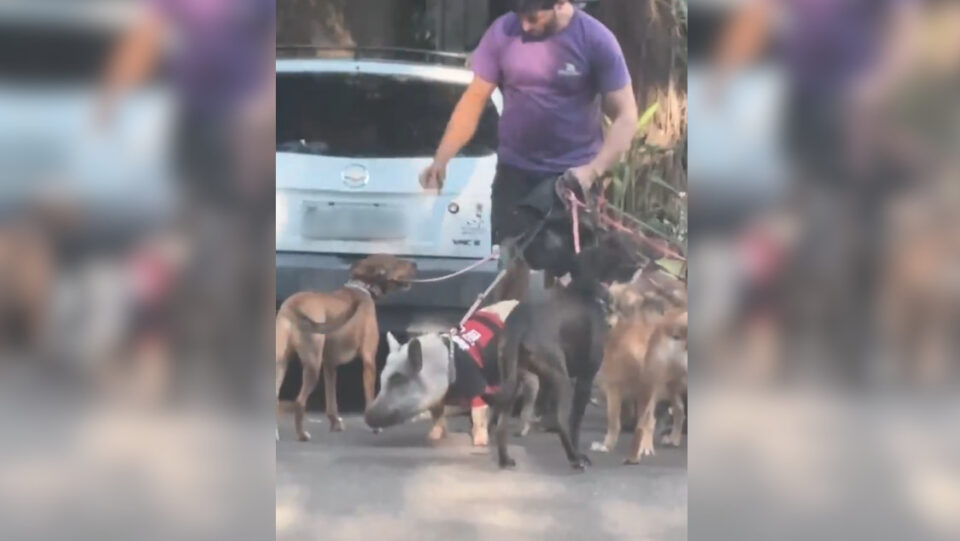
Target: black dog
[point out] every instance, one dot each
(561, 337)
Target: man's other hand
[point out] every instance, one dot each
(432, 178)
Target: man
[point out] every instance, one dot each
(558, 69)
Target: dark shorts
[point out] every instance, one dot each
(510, 186)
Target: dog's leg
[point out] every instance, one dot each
(282, 358)
(564, 390)
(369, 358)
(330, 392)
(646, 423)
(502, 401)
(581, 395)
(583, 389)
(614, 401)
(676, 433)
(530, 389)
(439, 429)
(479, 416)
(311, 361)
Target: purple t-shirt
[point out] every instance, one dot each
(831, 42)
(221, 49)
(551, 89)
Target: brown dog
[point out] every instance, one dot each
(650, 289)
(330, 329)
(645, 360)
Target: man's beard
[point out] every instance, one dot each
(548, 30)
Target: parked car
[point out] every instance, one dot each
(354, 130)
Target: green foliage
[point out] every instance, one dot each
(638, 185)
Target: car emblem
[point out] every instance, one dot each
(355, 176)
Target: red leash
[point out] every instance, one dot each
(575, 204)
(574, 211)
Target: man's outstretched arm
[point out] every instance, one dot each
(460, 130)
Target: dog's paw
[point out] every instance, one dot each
(524, 430)
(507, 462)
(376, 430)
(551, 428)
(631, 461)
(599, 447)
(670, 439)
(646, 449)
(303, 436)
(585, 460)
(481, 439)
(336, 425)
(437, 433)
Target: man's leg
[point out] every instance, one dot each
(514, 283)
(510, 186)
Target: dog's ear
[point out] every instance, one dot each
(360, 269)
(415, 355)
(392, 342)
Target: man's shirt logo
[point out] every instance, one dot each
(569, 70)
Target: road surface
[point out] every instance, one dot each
(361, 486)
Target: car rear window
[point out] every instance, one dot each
(38, 54)
(371, 116)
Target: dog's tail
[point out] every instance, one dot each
(308, 326)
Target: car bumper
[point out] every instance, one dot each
(422, 308)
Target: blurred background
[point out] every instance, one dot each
(136, 268)
(824, 276)
(136, 262)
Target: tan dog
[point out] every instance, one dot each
(650, 288)
(651, 292)
(645, 361)
(330, 329)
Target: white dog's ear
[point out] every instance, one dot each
(392, 342)
(415, 355)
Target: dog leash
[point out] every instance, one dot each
(480, 298)
(576, 203)
(494, 254)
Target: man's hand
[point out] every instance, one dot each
(432, 178)
(586, 175)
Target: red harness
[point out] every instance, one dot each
(474, 336)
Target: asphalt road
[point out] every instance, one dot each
(361, 486)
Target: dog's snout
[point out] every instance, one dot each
(372, 419)
(377, 418)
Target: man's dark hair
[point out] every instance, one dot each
(529, 6)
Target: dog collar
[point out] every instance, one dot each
(369, 289)
(451, 362)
